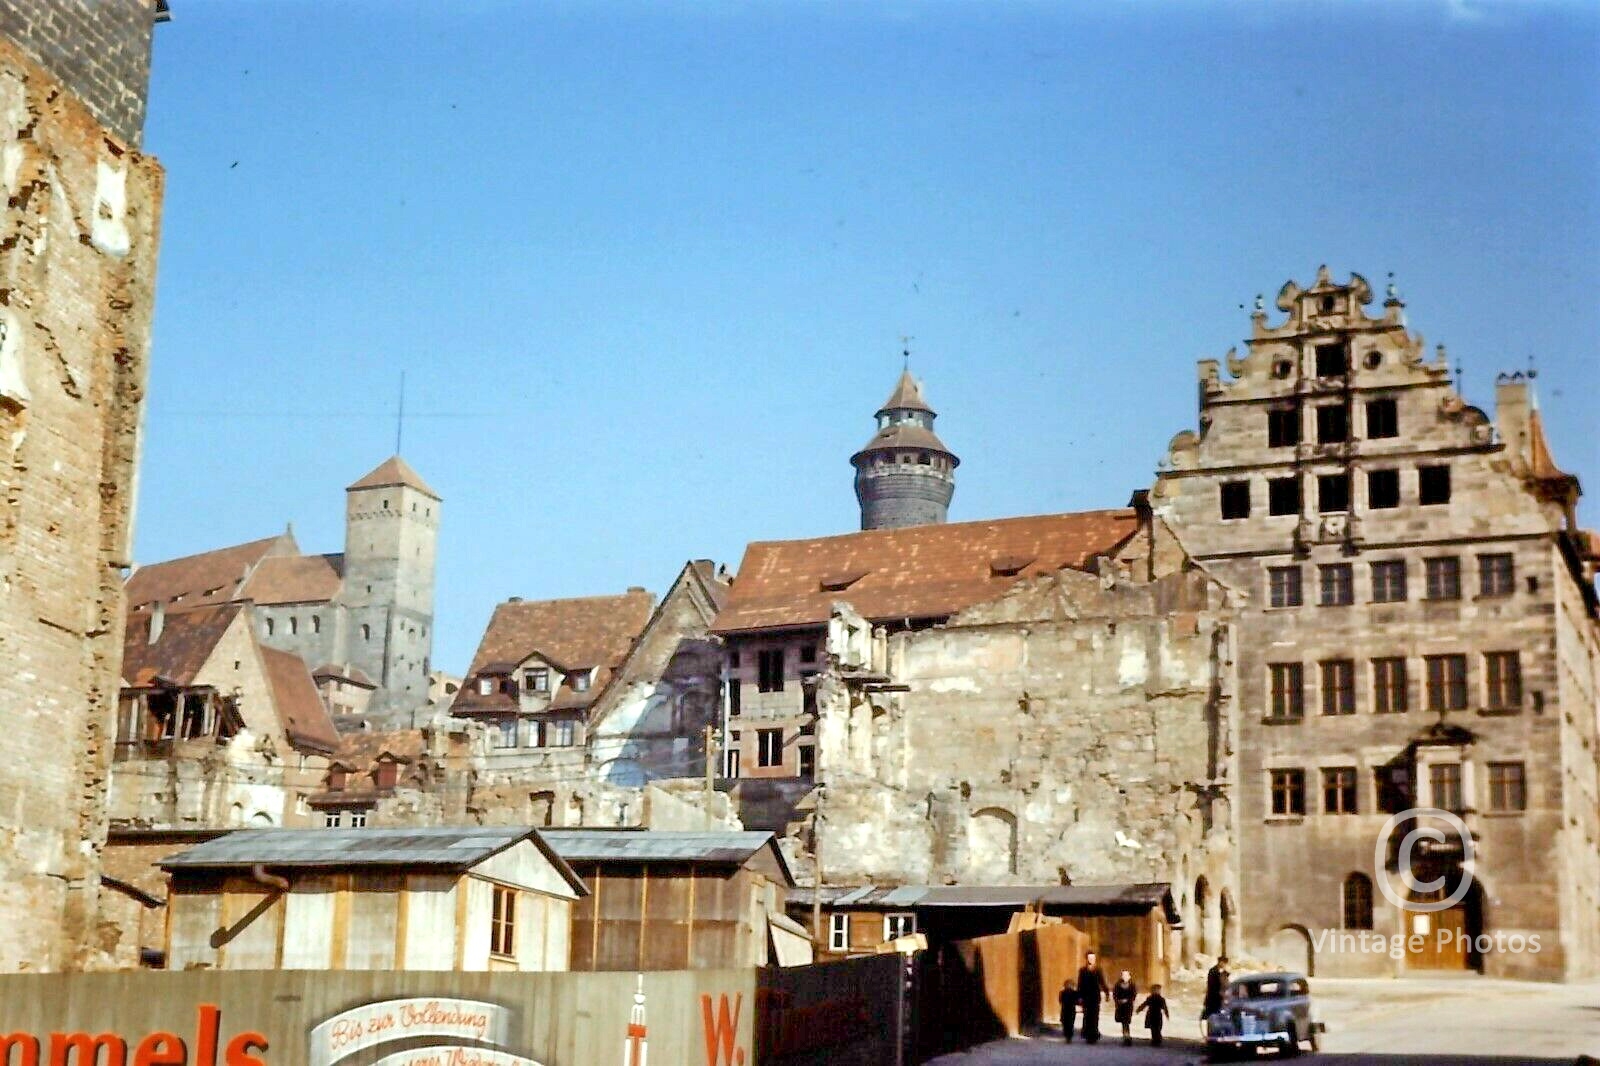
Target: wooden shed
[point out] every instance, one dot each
(478, 898)
(664, 900)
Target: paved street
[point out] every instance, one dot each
(1380, 1022)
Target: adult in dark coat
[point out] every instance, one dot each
(1123, 993)
(1216, 987)
(1069, 1010)
(1091, 990)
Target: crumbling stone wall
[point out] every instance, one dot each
(1071, 731)
(77, 269)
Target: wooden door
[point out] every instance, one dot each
(1437, 940)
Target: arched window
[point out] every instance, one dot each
(269, 627)
(366, 632)
(294, 624)
(1358, 902)
(316, 623)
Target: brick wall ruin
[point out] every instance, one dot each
(77, 259)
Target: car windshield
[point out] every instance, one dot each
(1269, 988)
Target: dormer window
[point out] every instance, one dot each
(336, 778)
(485, 686)
(536, 680)
(578, 680)
(387, 774)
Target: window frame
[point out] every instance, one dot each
(1502, 680)
(1344, 579)
(502, 922)
(1442, 574)
(1281, 491)
(1287, 691)
(1389, 498)
(1444, 783)
(768, 678)
(1341, 786)
(766, 760)
(1332, 430)
(1329, 488)
(1383, 403)
(1497, 575)
(1288, 785)
(1233, 500)
(897, 924)
(839, 931)
(1356, 909)
(1390, 685)
(1447, 686)
(1504, 786)
(1283, 427)
(1424, 491)
(1338, 685)
(1283, 592)
(1386, 588)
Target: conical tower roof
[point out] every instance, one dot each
(907, 396)
(393, 471)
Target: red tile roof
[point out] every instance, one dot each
(210, 577)
(928, 571)
(393, 471)
(590, 631)
(299, 707)
(186, 641)
(295, 579)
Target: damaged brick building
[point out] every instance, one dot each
(1039, 700)
(78, 259)
(1416, 628)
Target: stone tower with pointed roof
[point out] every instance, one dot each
(905, 475)
(391, 530)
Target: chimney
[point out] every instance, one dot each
(158, 620)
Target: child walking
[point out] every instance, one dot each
(1155, 1014)
(1069, 1010)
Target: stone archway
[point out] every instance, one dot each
(1205, 936)
(1291, 948)
(992, 842)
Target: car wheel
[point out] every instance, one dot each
(1291, 1044)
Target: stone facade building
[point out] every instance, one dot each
(81, 208)
(1416, 629)
(362, 620)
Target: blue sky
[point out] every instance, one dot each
(646, 266)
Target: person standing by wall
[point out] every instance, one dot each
(1091, 990)
(1069, 1010)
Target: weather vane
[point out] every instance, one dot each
(905, 350)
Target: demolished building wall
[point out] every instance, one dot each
(1073, 731)
(77, 255)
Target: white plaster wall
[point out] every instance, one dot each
(308, 925)
(431, 922)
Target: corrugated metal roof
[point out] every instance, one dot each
(457, 848)
(1123, 898)
(599, 845)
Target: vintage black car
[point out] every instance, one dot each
(1263, 1010)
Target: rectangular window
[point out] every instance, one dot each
(769, 747)
(733, 697)
(808, 653)
(1503, 670)
(1507, 789)
(1393, 784)
(563, 733)
(838, 932)
(1332, 360)
(1283, 427)
(1389, 581)
(1338, 686)
(1433, 485)
(1288, 690)
(732, 768)
(1383, 489)
(1333, 493)
(1236, 499)
(808, 760)
(1283, 495)
(537, 680)
(1383, 419)
(1339, 790)
(1444, 578)
(769, 670)
(1288, 792)
(1497, 575)
(358, 819)
(1447, 682)
(896, 926)
(1444, 779)
(1284, 586)
(1333, 423)
(1389, 694)
(505, 733)
(503, 922)
(331, 819)
(1337, 585)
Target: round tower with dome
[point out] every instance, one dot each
(905, 475)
